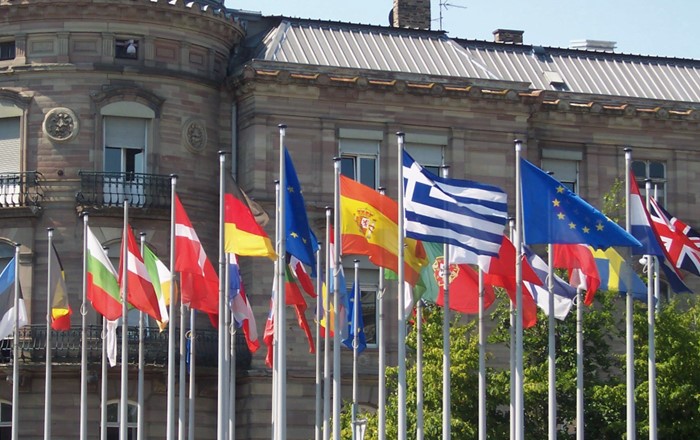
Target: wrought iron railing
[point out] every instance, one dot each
(102, 189)
(20, 189)
(67, 346)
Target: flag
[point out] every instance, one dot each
(564, 294)
(343, 302)
(369, 226)
(615, 272)
(7, 302)
(60, 308)
(111, 341)
(691, 233)
(464, 287)
(682, 251)
(302, 276)
(294, 298)
(269, 333)
(355, 327)
(331, 313)
(579, 261)
(552, 213)
(102, 280)
(140, 293)
(650, 244)
(242, 235)
(240, 307)
(199, 283)
(161, 279)
(301, 242)
(462, 213)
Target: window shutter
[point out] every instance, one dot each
(10, 148)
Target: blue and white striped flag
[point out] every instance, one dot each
(462, 213)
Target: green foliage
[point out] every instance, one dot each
(614, 201)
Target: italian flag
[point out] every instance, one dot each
(161, 278)
(102, 284)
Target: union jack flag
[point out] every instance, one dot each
(682, 242)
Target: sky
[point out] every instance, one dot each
(645, 27)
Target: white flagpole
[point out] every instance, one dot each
(519, 379)
(401, 303)
(221, 363)
(579, 361)
(192, 390)
(141, 410)
(103, 385)
(552, 370)
(281, 255)
(83, 344)
(482, 360)
(629, 324)
(275, 317)
(336, 303)
(124, 393)
(446, 361)
(230, 405)
(511, 331)
(327, 340)
(353, 325)
(15, 354)
(651, 317)
(47, 389)
(170, 418)
(381, 343)
(319, 309)
(419, 371)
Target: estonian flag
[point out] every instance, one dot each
(7, 302)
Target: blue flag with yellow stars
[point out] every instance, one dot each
(301, 242)
(553, 214)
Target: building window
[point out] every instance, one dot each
(5, 419)
(359, 160)
(654, 170)
(114, 417)
(126, 49)
(125, 143)
(429, 156)
(368, 297)
(10, 161)
(7, 50)
(565, 171)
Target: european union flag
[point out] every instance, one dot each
(355, 327)
(552, 213)
(301, 242)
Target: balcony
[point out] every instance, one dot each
(21, 193)
(102, 191)
(66, 347)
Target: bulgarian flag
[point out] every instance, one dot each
(161, 279)
(102, 284)
(140, 292)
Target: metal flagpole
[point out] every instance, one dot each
(381, 343)
(552, 350)
(355, 302)
(651, 317)
(579, 362)
(275, 319)
(170, 417)
(446, 361)
(140, 426)
(220, 381)
(83, 338)
(319, 411)
(629, 324)
(519, 401)
(336, 302)
(511, 331)
(482, 360)
(103, 385)
(327, 340)
(419, 371)
(401, 299)
(281, 255)
(47, 389)
(230, 362)
(15, 353)
(192, 390)
(124, 393)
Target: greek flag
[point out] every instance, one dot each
(462, 213)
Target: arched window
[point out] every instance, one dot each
(114, 417)
(5, 419)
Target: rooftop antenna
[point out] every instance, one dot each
(445, 4)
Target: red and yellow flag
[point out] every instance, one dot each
(369, 226)
(242, 235)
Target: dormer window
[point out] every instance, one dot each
(7, 50)
(127, 49)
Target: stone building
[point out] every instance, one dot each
(103, 100)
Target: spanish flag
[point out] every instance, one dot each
(369, 226)
(242, 235)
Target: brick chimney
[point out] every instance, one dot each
(412, 14)
(508, 36)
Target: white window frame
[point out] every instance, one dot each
(658, 184)
(132, 427)
(10, 193)
(359, 145)
(428, 150)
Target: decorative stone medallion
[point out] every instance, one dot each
(60, 124)
(195, 135)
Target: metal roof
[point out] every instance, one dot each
(352, 46)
